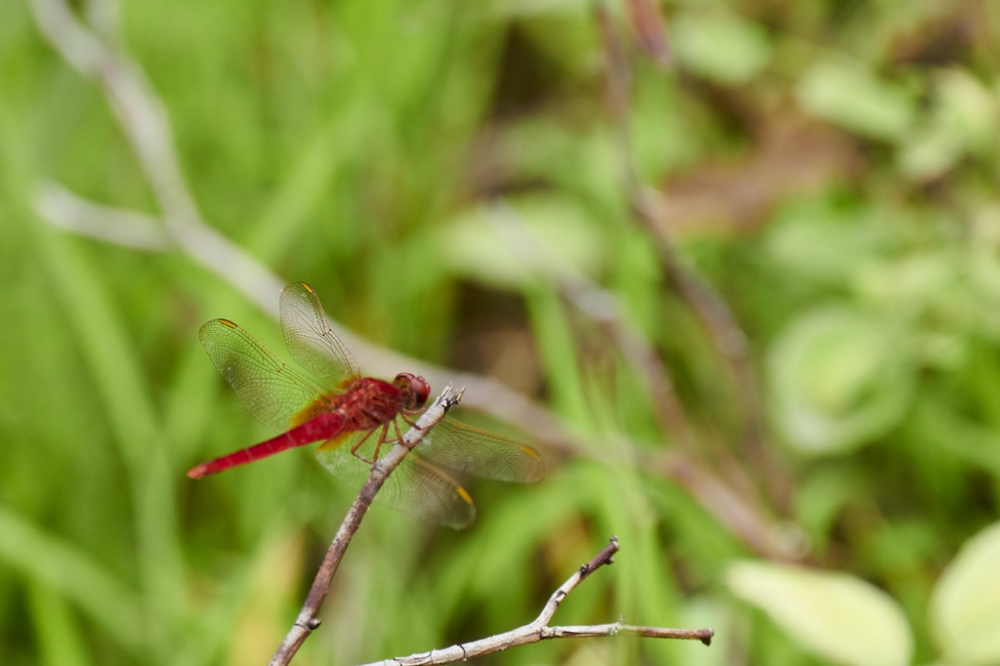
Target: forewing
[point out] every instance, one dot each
(416, 487)
(309, 338)
(467, 449)
(269, 390)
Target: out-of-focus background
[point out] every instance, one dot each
(742, 256)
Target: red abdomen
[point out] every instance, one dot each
(323, 426)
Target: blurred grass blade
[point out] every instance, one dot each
(557, 345)
(118, 375)
(59, 637)
(70, 573)
(110, 355)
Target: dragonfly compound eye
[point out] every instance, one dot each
(417, 387)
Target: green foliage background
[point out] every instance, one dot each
(830, 166)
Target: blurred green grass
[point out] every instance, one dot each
(830, 166)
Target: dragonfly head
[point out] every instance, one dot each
(415, 389)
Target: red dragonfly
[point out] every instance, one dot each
(346, 419)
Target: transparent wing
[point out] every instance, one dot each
(467, 449)
(309, 338)
(271, 391)
(416, 487)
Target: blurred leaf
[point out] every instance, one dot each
(857, 100)
(963, 119)
(720, 47)
(929, 152)
(814, 239)
(838, 379)
(965, 606)
(916, 283)
(840, 617)
(555, 237)
(969, 109)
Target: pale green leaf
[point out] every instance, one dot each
(839, 379)
(533, 237)
(965, 606)
(857, 100)
(839, 617)
(724, 48)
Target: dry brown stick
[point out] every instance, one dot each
(308, 619)
(141, 115)
(539, 630)
(707, 304)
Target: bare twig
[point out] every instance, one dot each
(650, 30)
(539, 630)
(707, 304)
(144, 121)
(308, 619)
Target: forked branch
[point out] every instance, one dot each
(539, 630)
(308, 619)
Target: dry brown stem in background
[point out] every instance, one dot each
(144, 121)
(707, 304)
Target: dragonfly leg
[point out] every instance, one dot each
(354, 449)
(412, 424)
(382, 439)
(399, 435)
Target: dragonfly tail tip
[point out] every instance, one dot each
(197, 472)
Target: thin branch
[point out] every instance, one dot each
(308, 618)
(650, 30)
(539, 630)
(708, 305)
(141, 115)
